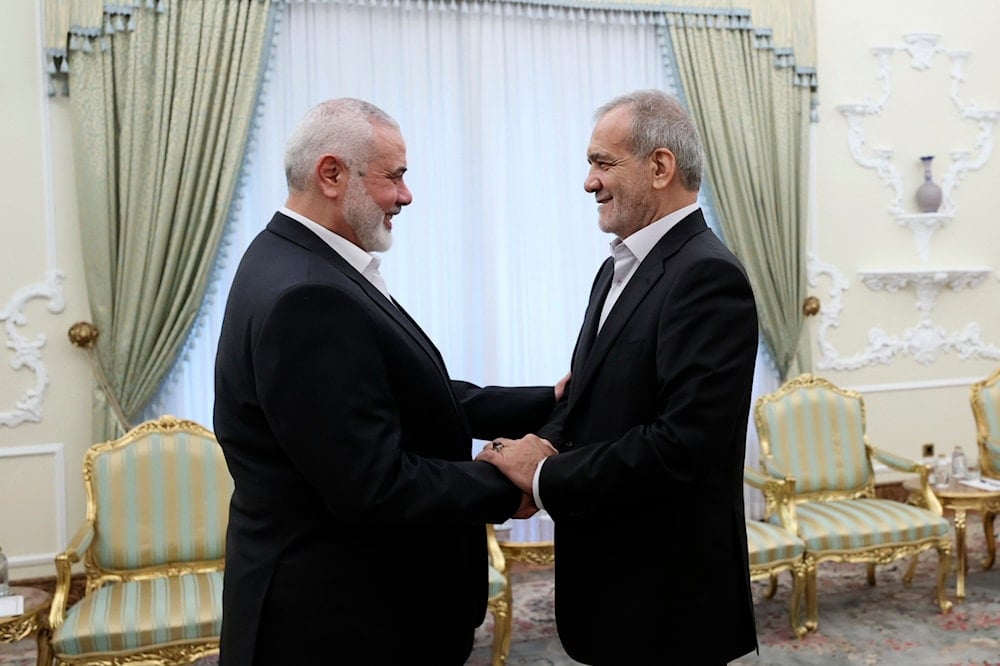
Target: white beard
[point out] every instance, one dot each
(365, 217)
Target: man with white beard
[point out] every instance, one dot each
(358, 515)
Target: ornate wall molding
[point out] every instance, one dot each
(922, 49)
(928, 284)
(58, 480)
(925, 342)
(27, 352)
(923, 226)
(895, 387)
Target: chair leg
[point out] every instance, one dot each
(772, 585)
(991, 544)
(910, 570)
(812, 604)
(944, 565)
(871, 574)
(44, 647)
(503, 621)
(795, 603)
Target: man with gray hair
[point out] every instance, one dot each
(356, 529)
(646, 489)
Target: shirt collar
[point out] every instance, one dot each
(641, 242)
(360, 260)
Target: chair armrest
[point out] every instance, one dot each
(771, 468)
(778, 495)
(904, 464)
(65, 560)
(898, 463)
(759, 480)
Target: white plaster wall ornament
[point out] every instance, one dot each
(928, 284)
(926, 341)
(923, 226)
(922, 49)
(921, 46)
(27, 353)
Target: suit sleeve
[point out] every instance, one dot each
(552, 430)
(327, 391)
(495, 411)
(699, 389)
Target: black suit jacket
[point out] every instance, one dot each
(357, 517)
(647, 491)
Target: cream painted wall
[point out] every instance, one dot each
(41, 494)
(908, 402)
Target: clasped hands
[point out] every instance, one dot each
(517, 459)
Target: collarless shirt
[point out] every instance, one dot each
(363, 262)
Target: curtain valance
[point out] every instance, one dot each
(87, 24)
(787, 21)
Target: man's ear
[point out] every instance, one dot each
(664, 166)
(332, 175)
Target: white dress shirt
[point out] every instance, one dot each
(363, 262)
(628, 253)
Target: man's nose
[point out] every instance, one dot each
(403, 195)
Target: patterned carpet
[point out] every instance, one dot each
(886, 624)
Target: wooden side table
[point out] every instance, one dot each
(960, 498)
(34, 620)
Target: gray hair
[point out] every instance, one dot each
(342, 127)
(659, 121)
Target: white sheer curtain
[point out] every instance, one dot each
(496, 255)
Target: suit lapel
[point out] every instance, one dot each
(295, 232)
(589, 331)
(646, 276)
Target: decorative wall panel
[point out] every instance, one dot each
(926, 340)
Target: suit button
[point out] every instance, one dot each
(568, 445)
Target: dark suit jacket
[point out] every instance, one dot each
(647, 492)
(357, 512)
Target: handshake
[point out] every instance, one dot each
(518, 459)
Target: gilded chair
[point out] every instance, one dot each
(773, 549)
(985, 399)
(500, 602)
(152, 547)
(812, 436)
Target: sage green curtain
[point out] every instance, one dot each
(792, 23)
(753, 108)
(162, 97)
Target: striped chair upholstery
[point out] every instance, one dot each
(985, 399)
(812, 434)
(153, 548)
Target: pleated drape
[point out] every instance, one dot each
(754, 113)
(162, 98)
